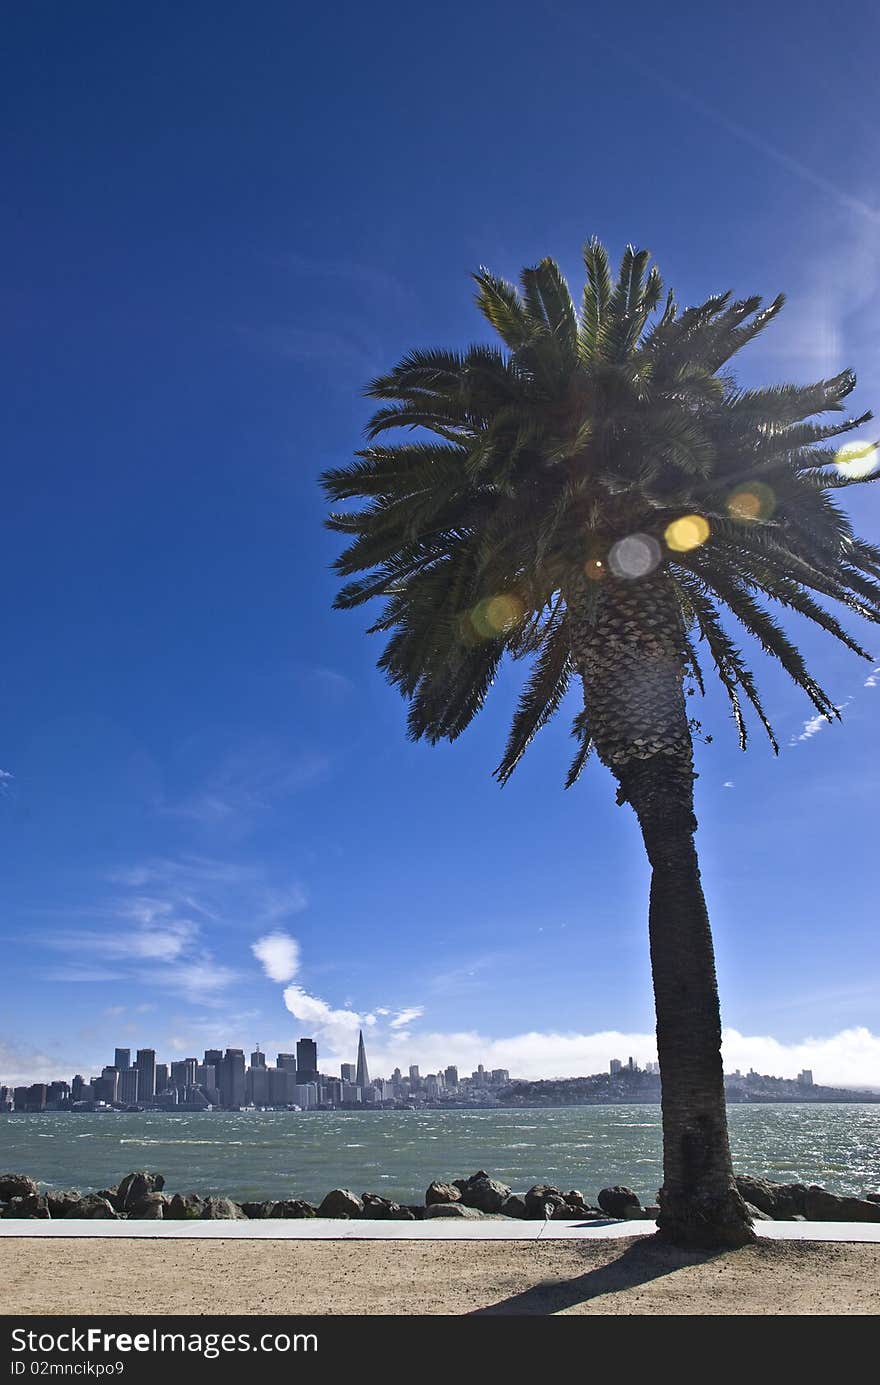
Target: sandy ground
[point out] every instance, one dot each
(310, 1277)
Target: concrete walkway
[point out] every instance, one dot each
(435, 1229)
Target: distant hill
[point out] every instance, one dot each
(636, 1086)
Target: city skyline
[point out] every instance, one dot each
(223, 1079)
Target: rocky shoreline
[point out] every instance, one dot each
(140, 1196)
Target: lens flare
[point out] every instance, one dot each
(855, 461)
(595, 569)
(686, 533)
(753, 500)
(495, 616)
(635, 556)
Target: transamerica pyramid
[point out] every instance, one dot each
(362, 1078)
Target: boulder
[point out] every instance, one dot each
(222, 1209)
(378, 1208)
(620, 1201)
(485, 1194)
(151, 1207)
(463, 1182)
(452, 1209)
(779, 1200)
(756, 1214)
(824, 1206)
(93, 1207)
(293, 1207)
(402, 1214)
(134, 1187)
(652, 1212)
(443, 1192)
(418, 1211)
(185, 1207)
(61, 1201)
(340, 1203)
(31, 1205)
(254, 1211)
(514, 1206)
(16, 1185)
(541, 1200)
(872, 1197)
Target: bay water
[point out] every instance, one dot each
(262, 1154)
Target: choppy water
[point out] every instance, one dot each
(398, 1153)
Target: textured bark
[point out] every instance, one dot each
(627, 643)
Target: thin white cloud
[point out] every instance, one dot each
(407, 1016)
(279, 955)
(873, 679)
(728, 784)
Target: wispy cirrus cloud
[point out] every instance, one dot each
(246, 783)
(156, 928)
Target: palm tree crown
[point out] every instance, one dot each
(606, 448)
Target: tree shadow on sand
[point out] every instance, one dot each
(641, 1262)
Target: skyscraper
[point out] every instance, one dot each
(362, 1078)
(348, 1071)
(286, 1061)
(258, 1059)
(146, 1066)
(306, 1061)
(122, 1059)
(128, 1086)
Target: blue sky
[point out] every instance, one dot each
(220, 221)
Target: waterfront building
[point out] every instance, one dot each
(281, 1084)
(805, 1078)
(231, 1078)
(287, 1061)
(350, 1093)
(111, 1077)
(362, 1076)
(122, 1059)
(451, 1075)
(213, 1057)
(258, 1059)
(306, 1062)
(162, 1077)
(257, 1085)
(615, 1066)
(206, 1075)
(348, 1072)
(414, 1079)
(128, 1086)
(146, 1066)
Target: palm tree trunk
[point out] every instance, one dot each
(628, 645)
(699, 1202)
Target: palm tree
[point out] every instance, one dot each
(592, 493)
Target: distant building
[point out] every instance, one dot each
(500, 1077)
(306, 1062)
(348, 1072)
(287, 1061)
(128, 1086)
(111, 1076)
(213, 1057)
(451, 1075)
(281, 1084)
(122, 1059)
(615, 1066)
(231, 1079)
(362, 1076)
(146, 1066)
(162, 1077)
(805, 1078)
(258, 1059)
(257, 1085)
